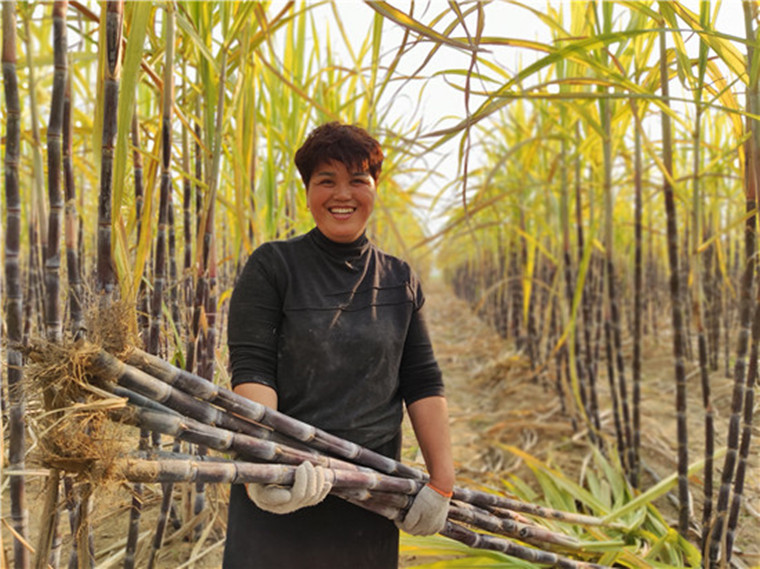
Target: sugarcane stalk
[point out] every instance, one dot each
(381, 493)
(614, 395)
(189, 469)
(106, 275)
(160, 261)
(222, 440)
(172, 468)
(52, 261)
(679, 334)
(472, 515)
(38, 210)
(208, 268)
(387, 495)
(197, 298)
(267, 449)
(82, 534)
(494, 502)
(193, 431)
(71, 223)
(320, 440)
(746, 436)
(574, 355)
(53, 324)
(253, 411)
(187, 192)
(618, 391)
(586, 312)
(109, 368)
(483, 541)
(158, 534)
(13, 293)
(744, 405)
(143, 325)
(135, 510)
(143, 322)
(699, 318)
(635, 470)
(597, 303)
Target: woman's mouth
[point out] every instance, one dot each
(342, 212)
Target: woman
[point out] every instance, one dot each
(328, 329)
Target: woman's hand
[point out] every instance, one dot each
(428, 513)
(310, 487)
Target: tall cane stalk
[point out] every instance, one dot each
(71, 223)
(48, 546)
(586, 303)
(679, 333)
(143, 321)
(637, 307)
(745, 408)
(38, 210)
(160, 268)
(612, 318)
(13, 297)
(53, 324)
(106, 275)
(143, 324)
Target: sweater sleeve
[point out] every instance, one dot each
(419, 373)
(254, 319)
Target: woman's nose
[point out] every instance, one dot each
(343, 190)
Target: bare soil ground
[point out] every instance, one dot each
(494, 400)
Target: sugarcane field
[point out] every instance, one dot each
(377, 284)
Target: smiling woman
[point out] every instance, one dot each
(340, 166)
(329, 329)
(341, 201)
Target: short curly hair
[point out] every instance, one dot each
(349, 144)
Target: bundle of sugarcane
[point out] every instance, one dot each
(268, 445)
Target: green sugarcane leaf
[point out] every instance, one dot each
(130, 75)
(192, 34)
(659, 489)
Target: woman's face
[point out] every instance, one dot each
(340, 200)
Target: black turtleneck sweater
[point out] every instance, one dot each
(336, 329)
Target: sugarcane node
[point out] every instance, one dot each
(139, 470)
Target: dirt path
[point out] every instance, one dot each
(489, 391)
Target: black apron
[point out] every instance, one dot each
(334, 534)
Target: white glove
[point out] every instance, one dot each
(309, 488)
(428, 513)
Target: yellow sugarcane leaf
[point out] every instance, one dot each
(720, 43)
(406, 21)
